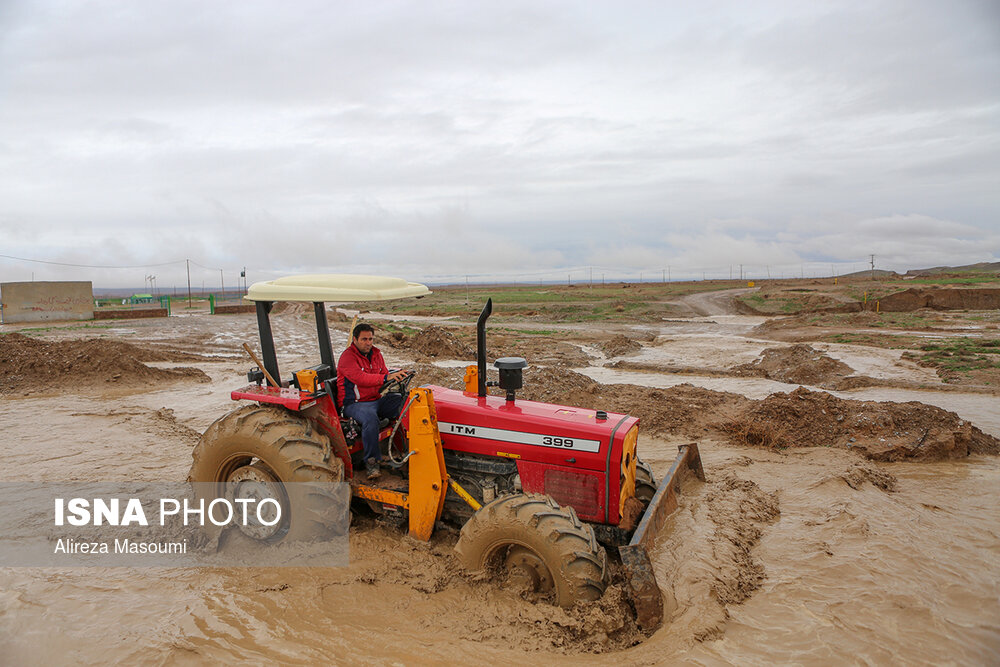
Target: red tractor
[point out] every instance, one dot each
(539, 490)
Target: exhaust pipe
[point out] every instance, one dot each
(481, 345)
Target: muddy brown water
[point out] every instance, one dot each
(780, 558)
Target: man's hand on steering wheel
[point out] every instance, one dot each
(397, 381)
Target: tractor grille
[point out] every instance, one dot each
(579, 491)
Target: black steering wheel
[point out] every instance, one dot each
(400, 386)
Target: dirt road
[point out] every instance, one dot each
(809, 555)
(706, 304)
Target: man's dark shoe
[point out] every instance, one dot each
(371, 465)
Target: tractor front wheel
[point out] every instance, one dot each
(539, 546)
(254, 451)
(645, 483)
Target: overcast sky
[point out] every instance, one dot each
(431, 140)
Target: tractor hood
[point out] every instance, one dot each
(528, 430)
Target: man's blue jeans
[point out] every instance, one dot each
(368, 415)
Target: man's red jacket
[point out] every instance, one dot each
(359, 376)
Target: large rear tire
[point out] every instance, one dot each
(265, 447)
(540, 547)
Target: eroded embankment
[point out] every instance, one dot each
(915, 298)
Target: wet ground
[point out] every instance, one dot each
(807, 555)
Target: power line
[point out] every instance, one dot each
(210, 268)
(107, 266)
(91, 266)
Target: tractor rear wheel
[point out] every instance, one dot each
(645, 483)
(255, 450)
(540, 547)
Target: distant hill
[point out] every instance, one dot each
(981, 267)
(879, 273)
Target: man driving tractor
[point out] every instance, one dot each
(361, 372)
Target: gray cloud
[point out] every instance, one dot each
(453, 138)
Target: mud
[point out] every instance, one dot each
(739, 510)
(620, 345)
(29, 366)
(810, 549)
(432, 342)
(878, 430)
(801, 364)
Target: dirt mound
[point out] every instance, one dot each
(333, 315)
(799, 364)
(452, 378)
(879, 431)
(30, 366)
(620, 345)
(550, 385)
(434, 341)
(683, 410)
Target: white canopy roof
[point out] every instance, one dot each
(335, 287)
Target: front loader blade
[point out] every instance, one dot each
(646, 594)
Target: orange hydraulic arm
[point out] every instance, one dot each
(428, 477)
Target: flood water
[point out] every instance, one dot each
(847, 571)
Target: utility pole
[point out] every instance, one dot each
(730, 271)
(223, 281)
(873, 267)
(741, 272)
(466, 290)
(188, 262)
